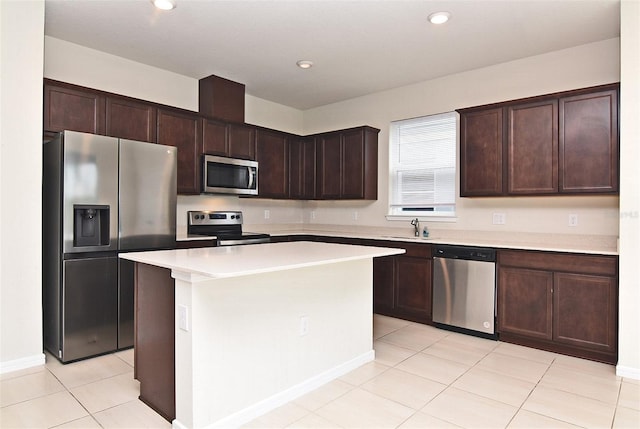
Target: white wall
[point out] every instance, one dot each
(20, 183)
(578, 67)
(629, 338)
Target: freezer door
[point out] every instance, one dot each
(147, 195)
(90, 178)
(90, 307)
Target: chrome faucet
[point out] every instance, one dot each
(416, 226)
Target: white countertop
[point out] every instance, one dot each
(234, 261)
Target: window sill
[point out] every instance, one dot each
(423, 218)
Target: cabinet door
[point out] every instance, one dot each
(302, 168)
(412, 285)
(329, 153)
(525, 302)
(182, 131)
(383, 285)
(73, 109)
(272, 155)
(353, 152)
(589, 143)
(532, 148)
(585, 311)
(481, 149)
(214, 138)
(242, 141)
(131, 120)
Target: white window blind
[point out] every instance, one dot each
(422, 166)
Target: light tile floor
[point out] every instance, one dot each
(422, 377)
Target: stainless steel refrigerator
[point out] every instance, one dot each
(101, 196)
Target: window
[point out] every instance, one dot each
(422, 166)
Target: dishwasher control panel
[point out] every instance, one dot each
(465, 252)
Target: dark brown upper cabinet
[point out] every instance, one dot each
(74, 108)
(129, 119)
(242, 141)
(176, 128)
(221, 98)
(532, 148)
(272, 154)
(347, 164)
(563, 143)
(214, 137)
(302, 168)
(481, 148)
(589, 142)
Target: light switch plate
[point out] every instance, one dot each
(499, 218)
(183, 317)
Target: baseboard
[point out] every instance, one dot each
(22, 363)
(256, 410)
(628, 372)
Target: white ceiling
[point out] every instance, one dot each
(358, 47)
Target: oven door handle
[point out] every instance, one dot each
(252, 175)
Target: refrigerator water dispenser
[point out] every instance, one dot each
(90, 225)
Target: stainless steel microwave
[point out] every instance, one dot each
(222, 175)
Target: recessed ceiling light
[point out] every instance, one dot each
(304, 64)
(164, 4)
(439, 17)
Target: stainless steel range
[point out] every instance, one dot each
(224, 226)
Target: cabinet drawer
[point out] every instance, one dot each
(563, 262)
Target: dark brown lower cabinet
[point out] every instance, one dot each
(566, 303)
(154, 342)
(402, 284)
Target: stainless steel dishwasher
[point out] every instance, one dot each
(464, 289)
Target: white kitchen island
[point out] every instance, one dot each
(253, 326)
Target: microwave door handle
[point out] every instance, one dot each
(251, 177)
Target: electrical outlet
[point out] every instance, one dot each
(355, 215)
(573, 220)
(183, 317)
(304, 325)
(499, 218)
(267, 214)
(313, 214)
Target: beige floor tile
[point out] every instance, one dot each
(362, 409)
(456, 351)
(383, 325)
(364, 373)
(472, 341)
(469, 410)
(527, 420)
(313, 421)
(127, 356)
(502, 388)
(630, 380)
(515, 350)
(132, 415)
(582, 383)
(107, 393)
(27, 387)
(43, 412)
(424, 421)
(88, 370)
(414, 337)
(391, 355)
(569, 407)
(279, 418)
(323, 395)
(83, 423)
(405, 388)
(434, 368)
(629, 395)
(523, 369)
(584, 365)
(626, 418)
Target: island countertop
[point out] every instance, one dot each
(234, 261)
